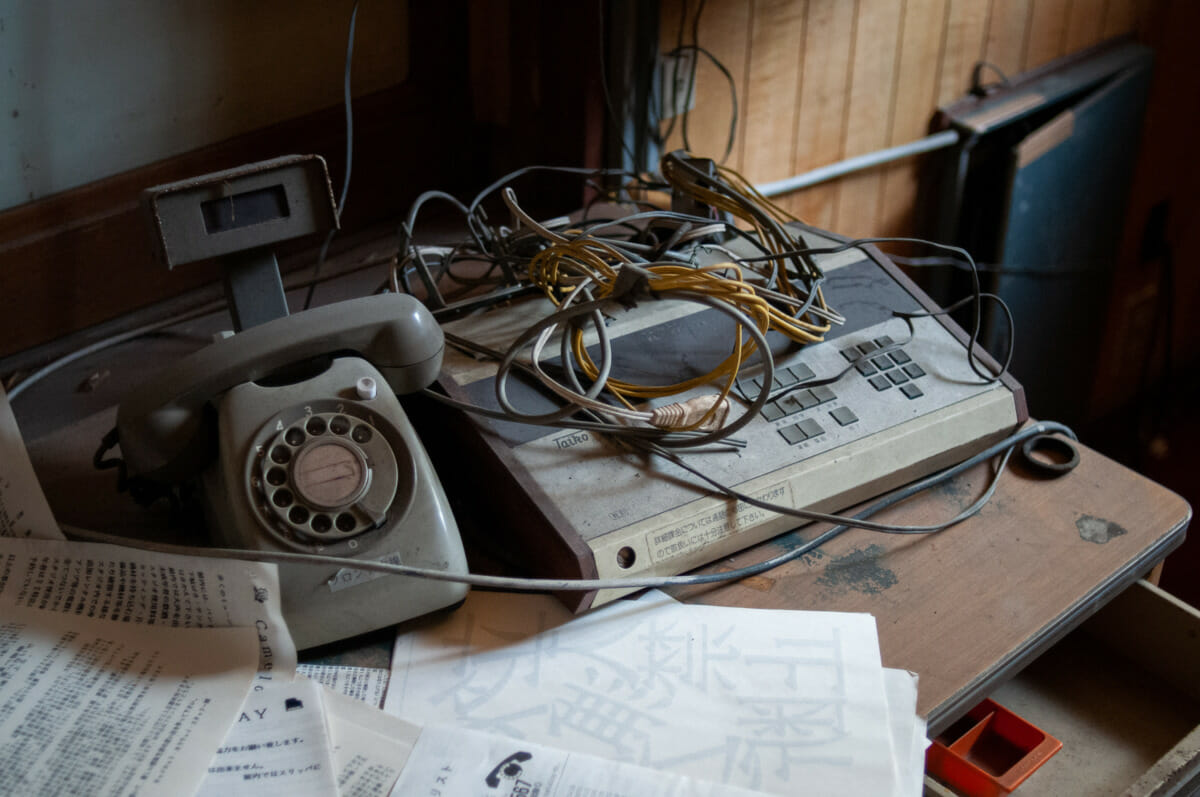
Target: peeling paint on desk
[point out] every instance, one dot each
(860, 571)
(1097, 530)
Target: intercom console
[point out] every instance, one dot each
(906, 404)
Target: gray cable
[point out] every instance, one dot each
(1005, 447)
(106, 343)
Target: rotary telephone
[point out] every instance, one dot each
(291, 424)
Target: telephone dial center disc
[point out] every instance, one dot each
(329, 474)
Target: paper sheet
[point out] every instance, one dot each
(452, 761)
(92, 580)
(367, 684)
(370, 748)
(908, 732)
(278, 747)
(100, 707)
(761, 699)
(23, 508)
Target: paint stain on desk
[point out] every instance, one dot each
(860, 571)
(1097, 530)
(956, 489)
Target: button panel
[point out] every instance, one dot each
(880, 369)
(879, 362)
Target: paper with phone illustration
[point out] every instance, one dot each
(24, 512)
(762, 699)
(452, 761)
(95, 580)
(277, 746)
(92, 706)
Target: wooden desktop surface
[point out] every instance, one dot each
(965, 608)
(968, 607)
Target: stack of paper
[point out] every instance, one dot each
(133, 673)
(121, 671)
(760, 699)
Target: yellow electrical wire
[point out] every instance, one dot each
(563, 267)
(740, 196)
(572, 262)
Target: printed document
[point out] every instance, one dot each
(278, 747)
(23, 508)
(367, 684)
(93, 580)
(370, 748)
(92, 706)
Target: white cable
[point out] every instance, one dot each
(105, 343)
(566, 393)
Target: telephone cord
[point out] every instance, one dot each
(510, 583)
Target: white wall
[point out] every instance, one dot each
(90, 88)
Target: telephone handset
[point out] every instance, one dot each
(313, 452)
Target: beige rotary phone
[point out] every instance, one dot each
(292, 423)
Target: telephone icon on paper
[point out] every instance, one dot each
(292, 425)
(510, 768)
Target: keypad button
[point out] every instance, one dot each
(912, 391)
(900, 357)
(914, 371)
(865, 368)
(852, 354)
(844, 416)
(793, 435)
(882, 362)
(810, 428)
(801, 372)
(880, 382)
(898, 377)
(806, 399)
(823, 394)
(868, 347)
(789, 404)
(885, 340)
(772, 412)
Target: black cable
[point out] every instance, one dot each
(580, 170)
(995, 268)
(349, 156)
(733, 99)
(891, 499)
(981, 370)
(661, 138)
(608, 103)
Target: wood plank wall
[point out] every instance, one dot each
(822, 80)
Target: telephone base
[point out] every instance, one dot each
(343, 475)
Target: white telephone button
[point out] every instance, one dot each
(366, 388)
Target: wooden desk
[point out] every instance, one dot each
(965, 609)
(968, 608)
